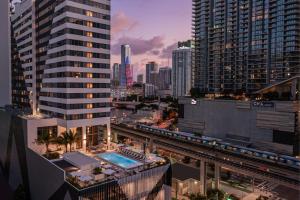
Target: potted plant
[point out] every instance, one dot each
(97, 173)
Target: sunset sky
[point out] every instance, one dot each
(151, 27)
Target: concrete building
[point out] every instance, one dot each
(186, 183)
(126, 71)
(149, 90)
(181, 71)
(151, 71)
(268, 125)
(140, 78)
(66, 65)
(244, 46)
(116, 75)
(165, 78)
(5, 67)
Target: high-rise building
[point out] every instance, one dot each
(126, 72)
(116, 75)
(181, 71)
(151, 69)
(165, 78)
(5, 77)
(188, 43)
(243, 45)
(140, 78)
(64, 50)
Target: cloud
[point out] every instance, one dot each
(121, 22)
(139, 46)
(155, 52)
(167, 51)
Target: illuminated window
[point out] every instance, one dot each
(89, 106)
(89, 116)
(89, 55)
(89, 75)
(89, 34)
(89, 96)
(89, 44)
(89, 24)
(89, 65)
(89, 85)
(89, 13)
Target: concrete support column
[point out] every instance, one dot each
(151, 145)
(115, 137)
(203, 183)
(84, 138)
(217, 176)
(108, 135)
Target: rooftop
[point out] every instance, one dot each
(91, 168)
(189, 172)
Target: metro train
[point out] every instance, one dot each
(219, 144)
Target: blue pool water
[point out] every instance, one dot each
(119, 160)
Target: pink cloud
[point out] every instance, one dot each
(121, 22)
(139, 46)
(167, 51)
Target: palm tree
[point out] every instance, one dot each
(44, 139)
(63, 139)
(72, 138)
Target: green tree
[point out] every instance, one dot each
(63, 139)
(44, 139)
(72, 138)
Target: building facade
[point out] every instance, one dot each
(149, 90)
(140, 78)
(116, 75)
(165, 78)
(5, 78)
(267, 125)
(64, 49)
(243, 46)
(181, 71)
(151, 71)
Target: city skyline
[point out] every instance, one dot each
(152, 33)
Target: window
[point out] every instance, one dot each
(89, 75)
(89, 34)
(89, 116)
(89, 13)
(89, 55)
(89, 96)
(89, 44)
(89, 85)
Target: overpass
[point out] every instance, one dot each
(252, 167)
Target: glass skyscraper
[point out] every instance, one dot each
(126, 73)
(245, 45)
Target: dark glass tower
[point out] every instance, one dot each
(245, 45)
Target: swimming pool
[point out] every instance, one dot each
(119, 160)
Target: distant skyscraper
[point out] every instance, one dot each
(151, 70)
(243, 45)
(188, 43)
(181, 71)
(140, 78)
(165, 78)
(126, 72)
(116, 75)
